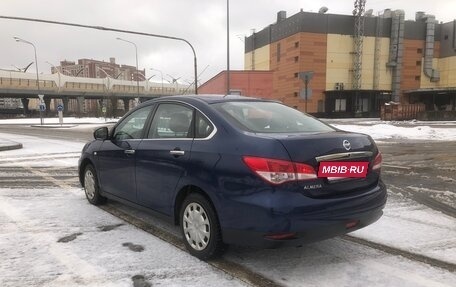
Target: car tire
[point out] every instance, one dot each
(91, 188)
(200, 228)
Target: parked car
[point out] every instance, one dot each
(236, 170)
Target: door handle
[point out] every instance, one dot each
(129, 151)
(177, 152)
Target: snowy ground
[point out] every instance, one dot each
(377, 129)
(414, 227)
(51, 236)
(53, 121)
(391, 131)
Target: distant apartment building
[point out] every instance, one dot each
(408, 61)
(90, 68)
(10, 103)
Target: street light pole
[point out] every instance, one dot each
(227, 47)
(58, 72)
(108, 84)
(136, 52)
(37, 72)
(195, 66)
(161, 73)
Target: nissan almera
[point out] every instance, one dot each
(236, 170)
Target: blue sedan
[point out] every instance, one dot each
(236, 170)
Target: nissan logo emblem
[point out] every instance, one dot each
(346, 144)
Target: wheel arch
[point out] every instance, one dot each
(82, 168)
(183, 193)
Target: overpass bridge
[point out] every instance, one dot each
(82, 92)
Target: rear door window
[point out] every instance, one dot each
(269, 117)
(171, 121)
(203, 127)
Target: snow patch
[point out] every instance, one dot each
(388, 131)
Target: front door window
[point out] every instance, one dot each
(132, 126)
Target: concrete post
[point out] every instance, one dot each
(113, 107)
(65, 102)
(126, 102)
(80, 109)
(25, 103)
(47, 103)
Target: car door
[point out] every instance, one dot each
(116, 158)
(162, 157)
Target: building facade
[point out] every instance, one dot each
(90, 68)
(401, 60)
(245, 83)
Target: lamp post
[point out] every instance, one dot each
(161, 74)
(227, 47)
(198, 79)
(58, 72)
(116, 30)
(106, 74)
(77, 74)
(144, 77)
(118, 75)
(105, 103)
(37, 77)
(23, 70)
(136, 53)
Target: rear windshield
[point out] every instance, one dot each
(269, 117)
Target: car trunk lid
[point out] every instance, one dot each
(317, 148)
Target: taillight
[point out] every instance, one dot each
(377, 162)
(279, 171)
(304, 171)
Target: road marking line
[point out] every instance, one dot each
(57, 182)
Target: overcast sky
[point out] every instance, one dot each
(201, 22)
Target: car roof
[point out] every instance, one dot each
(213, 98)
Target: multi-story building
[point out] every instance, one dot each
(90, 68)
(8, 103)
(245, 83)
(401, 60)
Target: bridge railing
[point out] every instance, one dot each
(60, 83)
(30, 84)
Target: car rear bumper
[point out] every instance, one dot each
(325, 230)
(304, 224)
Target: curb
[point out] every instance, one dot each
(67, 126)
(10, 146)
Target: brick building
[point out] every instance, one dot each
(246, 83)
(402, 60)
(90, 68)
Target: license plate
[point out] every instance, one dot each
(343, 169)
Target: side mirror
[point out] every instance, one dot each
(101, 133)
